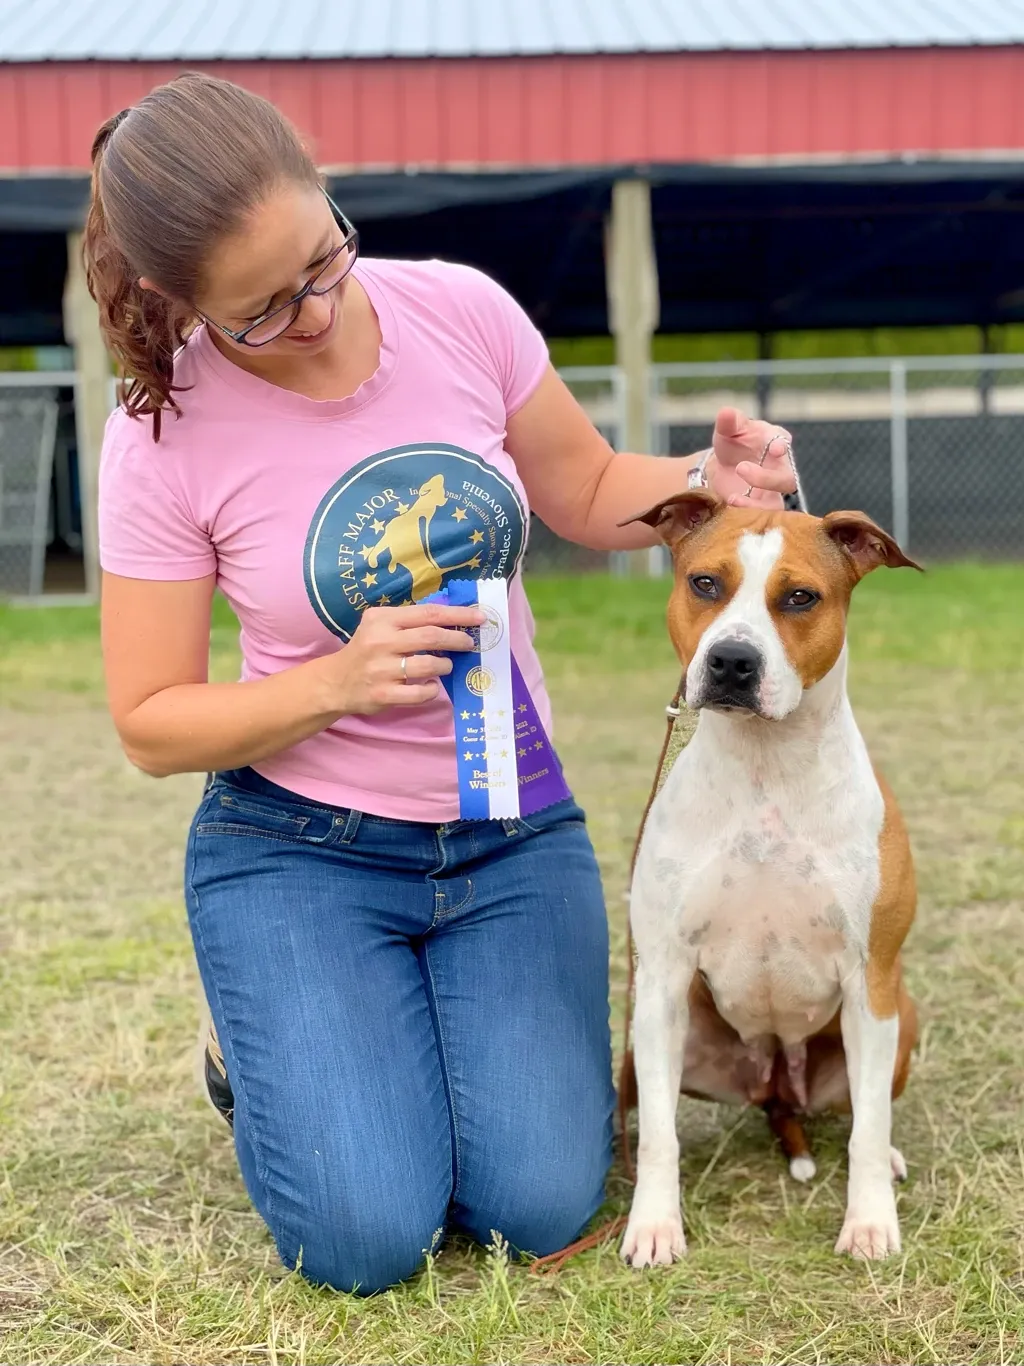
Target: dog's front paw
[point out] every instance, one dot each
(871, 1229)
(653, 1238)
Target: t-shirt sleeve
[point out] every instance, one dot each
(145, 529)
(512, 341)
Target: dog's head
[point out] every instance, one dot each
(758, 610)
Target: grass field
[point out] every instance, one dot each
(125, 1233)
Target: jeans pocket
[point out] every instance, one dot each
(229, 812)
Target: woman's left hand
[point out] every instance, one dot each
(738, 442)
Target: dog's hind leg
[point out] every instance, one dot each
(789, 1130)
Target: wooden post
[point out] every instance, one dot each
(92, 400)
(633, 308)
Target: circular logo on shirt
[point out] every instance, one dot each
(403, 523)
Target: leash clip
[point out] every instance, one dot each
(673, 712)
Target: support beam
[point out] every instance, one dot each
(633, 310)
(92, 400)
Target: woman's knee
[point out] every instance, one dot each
(538, 1210)
(342, 1224)
(361, 1256)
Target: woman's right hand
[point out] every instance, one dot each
(366, 675)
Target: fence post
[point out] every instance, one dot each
(633, 309)
(92, 400)
(898, 452)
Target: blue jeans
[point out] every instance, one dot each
(414, 1021)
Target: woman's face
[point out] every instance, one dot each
(287, 238)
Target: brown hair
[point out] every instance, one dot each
(182, 168)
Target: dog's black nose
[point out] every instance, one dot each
(734, 669)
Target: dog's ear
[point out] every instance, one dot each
(864, 544)
(680, 515)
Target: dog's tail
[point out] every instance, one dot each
(788, 1128)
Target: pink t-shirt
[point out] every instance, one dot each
(310, 511)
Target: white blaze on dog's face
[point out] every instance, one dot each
(758, 610)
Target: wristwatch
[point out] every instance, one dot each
(696, 477)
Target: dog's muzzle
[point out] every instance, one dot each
(734, 669)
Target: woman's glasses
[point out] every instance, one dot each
(274, 324)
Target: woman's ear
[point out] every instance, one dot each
(146, 283)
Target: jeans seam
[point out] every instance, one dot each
(229, 802)
(252, 833)
(442, 856)
(237, 1084)
(442, 1053)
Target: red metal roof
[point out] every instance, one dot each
(567, 111)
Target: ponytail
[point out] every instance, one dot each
(169, 177)
(142, 329)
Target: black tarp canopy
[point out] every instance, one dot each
(739, 249)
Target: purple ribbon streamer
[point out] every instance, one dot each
(541, 782)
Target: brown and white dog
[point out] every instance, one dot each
(774, 884)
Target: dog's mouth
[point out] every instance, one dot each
(731, 705)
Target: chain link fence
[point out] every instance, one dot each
(28, 431)
(931, 447)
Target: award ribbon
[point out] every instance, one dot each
(506, 764)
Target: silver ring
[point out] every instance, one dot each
(402, 663)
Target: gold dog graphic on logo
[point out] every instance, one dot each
(406, 542)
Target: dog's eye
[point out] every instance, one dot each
(799, 600)
(704, 585)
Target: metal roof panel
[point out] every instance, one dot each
(198, 30)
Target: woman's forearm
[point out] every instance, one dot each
(202, 727)
(629, 485)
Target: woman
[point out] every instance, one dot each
(413, 1009)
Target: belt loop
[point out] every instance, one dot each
(352, 821)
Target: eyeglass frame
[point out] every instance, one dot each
(351, 239)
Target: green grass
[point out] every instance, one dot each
(952, 616)
(964, 615)
(845, 342)
(125, 1233)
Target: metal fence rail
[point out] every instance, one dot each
(932, 447)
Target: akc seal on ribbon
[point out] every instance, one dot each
(506, 764)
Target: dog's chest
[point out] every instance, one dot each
(765, 886)
(769, 932)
